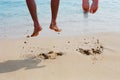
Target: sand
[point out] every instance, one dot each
(19, 58)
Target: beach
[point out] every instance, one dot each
(17, 62)
(87, 48)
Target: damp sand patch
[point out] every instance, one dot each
(91, 47)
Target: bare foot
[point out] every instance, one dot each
(55, 28)
(36, 31)
(94, 6)
(85, 6)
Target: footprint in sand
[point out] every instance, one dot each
(49, 55)
(96, 49)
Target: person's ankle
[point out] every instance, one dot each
(86, 1)
(53, 23)
(36, 24)
(96, 1)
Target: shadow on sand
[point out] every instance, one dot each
(14, 65)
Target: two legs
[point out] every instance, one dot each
(33, 11)
(54, 10)
(93, 7)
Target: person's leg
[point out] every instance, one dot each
(54, 12)
(33, 11)
(85, 5)
(94, 6)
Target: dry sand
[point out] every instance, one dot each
(17, 62)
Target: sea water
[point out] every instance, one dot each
(15, 20)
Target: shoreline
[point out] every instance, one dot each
(55, 34)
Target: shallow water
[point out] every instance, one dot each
(15, 19)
